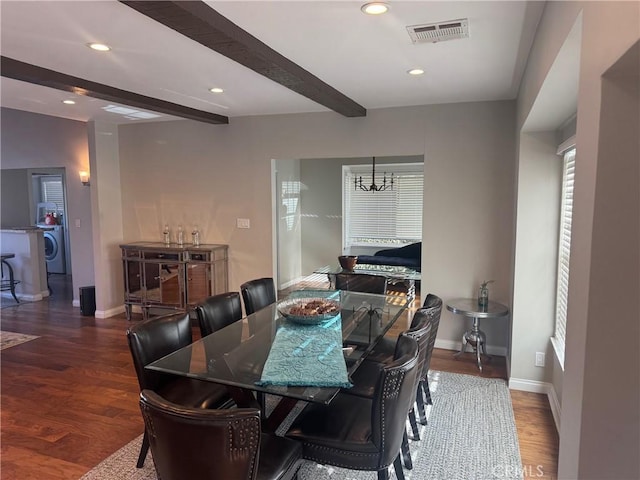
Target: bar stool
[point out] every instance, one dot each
(12, 282)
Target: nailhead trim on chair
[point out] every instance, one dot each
(243, 434)
(148, 422)
(389, 390)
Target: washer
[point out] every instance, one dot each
(54, 248)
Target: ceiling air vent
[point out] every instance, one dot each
(439, 32)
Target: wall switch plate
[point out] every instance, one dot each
(243, 223)
(539, 359)
(77, 223)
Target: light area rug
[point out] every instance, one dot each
(471, 435)
(11, 339)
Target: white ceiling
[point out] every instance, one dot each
(364, 57)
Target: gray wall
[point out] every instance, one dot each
(468, 220)
(539, 189)
(599, 389)
(211, 175)
(34, 141)
(106, 208)
(614, 301)
(14, 199)
(288, 225)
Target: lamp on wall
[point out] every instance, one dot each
(84, 178)
(373, 187)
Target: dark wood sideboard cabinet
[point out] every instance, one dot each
(172, 277)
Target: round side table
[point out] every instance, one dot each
(468, 307)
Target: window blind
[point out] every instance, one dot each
(390, 217)
(52, 192)
(564, 249)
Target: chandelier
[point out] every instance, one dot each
(373, 187)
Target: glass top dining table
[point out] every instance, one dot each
(235, 355)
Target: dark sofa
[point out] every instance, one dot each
(407, 256)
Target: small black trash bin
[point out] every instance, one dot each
(88, 301)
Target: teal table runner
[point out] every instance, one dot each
(307, 356)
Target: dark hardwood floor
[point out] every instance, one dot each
(69, 398)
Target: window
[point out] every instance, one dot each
(51, 192)
(387, 218)
(290, 197)
(564, 250)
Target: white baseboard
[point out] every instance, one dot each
(36, 297)
(528, 385)
(554, 403)
(291, 283)
(455, 345)
(539, 387)
(112, 312)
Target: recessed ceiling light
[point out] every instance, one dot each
(375, 8)
(68, 102)
(216, 90)
(415, 71)
(100, 47)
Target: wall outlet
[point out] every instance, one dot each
(539, 359)
(77, 223)
(243, 223)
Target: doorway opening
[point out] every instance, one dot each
(48, 200)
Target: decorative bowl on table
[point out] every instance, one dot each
(348, 262)
(309, 311)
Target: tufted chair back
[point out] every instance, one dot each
(432, 300)
(218, 311)
(257, 294)
(394, 395)
(421, 333)
(433, 309)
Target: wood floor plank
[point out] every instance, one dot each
(70, 398)
(27, 464)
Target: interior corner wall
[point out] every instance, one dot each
(288, 227)
(611, 406)
(538, 207)
(321, 204)
(107, 208)
(31, 141)
(468, 212)
(609, 30)
(14, 198)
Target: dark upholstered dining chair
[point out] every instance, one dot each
(192, 443)
(155, 338)
(384, 351)
(363, 433)
(361, 282)
(218, 311)
(434, 304)
(257, 294)
(365, 377)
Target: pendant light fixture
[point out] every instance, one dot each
(373, 187)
